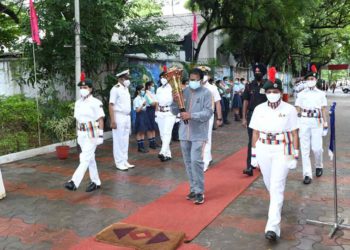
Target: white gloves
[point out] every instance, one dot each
(253, 160)
(325, 129)
(100, 137)
(292, 164)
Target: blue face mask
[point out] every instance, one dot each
(194, 84)
(142, 92)
(152, 89)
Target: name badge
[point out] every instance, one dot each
(262, 91)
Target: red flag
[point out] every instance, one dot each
(34, 23)
(195, 29)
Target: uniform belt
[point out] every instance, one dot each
(90, 128)
(311, 113)
(271, 136)
(285, 138)
(164, 108)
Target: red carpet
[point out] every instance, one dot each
(173, 212)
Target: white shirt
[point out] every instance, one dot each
(120, 97)
(279, 120)
(237, 88)
(215, 95)
(311, 99)
(164, 95)
(138, 102)
(88, 110)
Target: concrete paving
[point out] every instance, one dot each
(38, 213)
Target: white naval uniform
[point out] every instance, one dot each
(207, 157)
(272, 159)
(85, 111)
(2, 187)
(311, 128)
(165, 118)
(120, 97)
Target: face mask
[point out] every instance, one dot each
(126, 83)
(84, 92)
(258, 76)
(142, 92)
(273, 97)
(163, 81)
(152, 89)
(311, 83)
(194, 84)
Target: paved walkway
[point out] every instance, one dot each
(40, 214)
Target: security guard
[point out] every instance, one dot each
(253, 95)
(165, 117)
(2, 188)
(119, 112)
(88, 112)
(311, 105)
(216, 103)
(274, 148)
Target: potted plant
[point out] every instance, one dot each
(64, 130)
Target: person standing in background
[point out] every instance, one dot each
(151, 105)
(141, 123)
(2, 188)
(226, 99)
(254, 94)
(119, 111)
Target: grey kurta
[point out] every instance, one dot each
(199, 104)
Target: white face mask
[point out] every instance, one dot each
(84, 92)
(273, 97)
(163, 81)
(126, 83)
(194, 84)
(311, 83)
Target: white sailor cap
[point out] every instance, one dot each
(123, 73)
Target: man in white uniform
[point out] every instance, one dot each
(164, 117)
(311, 105)
(215, 95)
(88, 112)
(2, 188)
(119, 112)
(274, 148)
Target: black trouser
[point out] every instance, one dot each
(250, 137)
(226, 108)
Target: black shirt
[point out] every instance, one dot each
(254, 94)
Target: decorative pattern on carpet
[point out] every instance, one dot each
(139, 237)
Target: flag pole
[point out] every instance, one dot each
(36, 97)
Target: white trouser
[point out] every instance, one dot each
(207, 157)
(121, 138)
(2, 187)
(166, 121)
(87, 160)
(273, 165)
(311, 135)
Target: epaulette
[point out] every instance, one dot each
(117, 85)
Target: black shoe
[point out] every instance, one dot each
(142, 150)
(248, 171)
(271, 236)
(152, 146)
(191, 196)
(161, 156)
(319, 172)
(91, 187)
(166, 158)
(199, 199)
(227, 122)
(70, 186)
(307, 180)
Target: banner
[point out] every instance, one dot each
(195, 29)
(332, 127)
(34, 23)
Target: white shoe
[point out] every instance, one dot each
(128, 165)
(205, 168)
(121, 167)
(2, 196)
